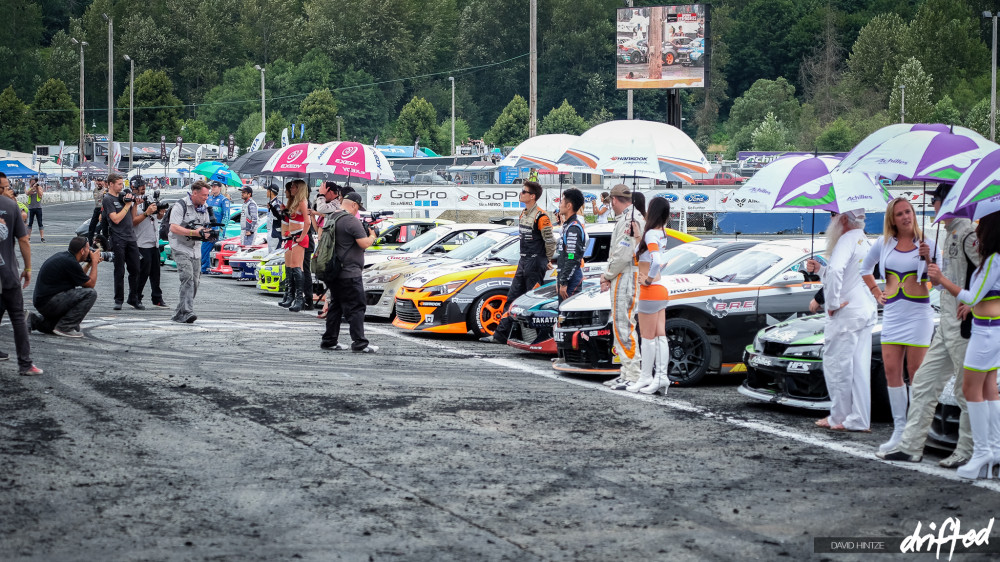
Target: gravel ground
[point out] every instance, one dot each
(237, 438)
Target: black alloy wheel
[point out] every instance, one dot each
(690, 351)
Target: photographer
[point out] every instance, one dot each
(189, 222)
(347, 293)
(64, 290)
(147, 229)
(119, 212)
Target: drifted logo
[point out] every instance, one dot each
(293, 155)
(348, 152)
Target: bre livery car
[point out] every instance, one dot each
(711, 315)
(534, 313)
(383, 280)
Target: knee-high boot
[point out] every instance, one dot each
(289, 289)
(979, 465)
(897, 402)
(995, 432)
(647, 351)
(661, 378)
(298, 296)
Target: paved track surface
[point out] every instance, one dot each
(237, 438)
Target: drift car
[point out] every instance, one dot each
(711, 315)
(459, 298)
(226, 249)
(383, 280)
(245, 262)
(393, 232)
(693, 54)
(534, 313)
(438, 240)
(271, 272)
(785, 366)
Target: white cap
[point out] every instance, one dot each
(855, 214)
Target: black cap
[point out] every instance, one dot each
(248, 190)
(941, 191)
(356, 198)
(137, 181)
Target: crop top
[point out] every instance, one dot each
(985, 283)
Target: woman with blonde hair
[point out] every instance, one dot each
(296, 234)
(908, 319)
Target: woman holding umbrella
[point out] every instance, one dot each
(297, 240)
(908, 319)
(981, 356)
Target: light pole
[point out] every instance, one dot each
(263, 118)
(533, 68)
(79, 149)
(131, 107)
(902, 103)
(993, 82)
(111, 87)
(452, 80)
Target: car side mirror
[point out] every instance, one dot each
(439, 249)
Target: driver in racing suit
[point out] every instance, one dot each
(220, 209)
(946, 355)
(851, 315)
(621, 277)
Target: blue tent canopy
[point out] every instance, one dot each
(15, 169)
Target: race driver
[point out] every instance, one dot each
(620, 278)
(538, 245)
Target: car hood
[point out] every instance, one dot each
(250, 255)
(591, 299)
(467, 270)
(542, 298)
(807, 330)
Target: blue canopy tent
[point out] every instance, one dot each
(15, 169)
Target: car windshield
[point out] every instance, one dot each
(743, 267)
(425, 240)
(476, 246)
(509, 253)
(684, 258)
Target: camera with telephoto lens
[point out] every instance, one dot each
(205, 234)
(98, 246)
(370, 223)
(153, 202)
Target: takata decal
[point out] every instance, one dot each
(720, 308)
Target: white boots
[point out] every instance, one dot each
(897, 402)
(647, 350)
(655, 352)
(995, 429)
(984, 422)
(660, 381)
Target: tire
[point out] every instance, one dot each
(669, 59)
(486, 312)
(635, 57)
(690, 351)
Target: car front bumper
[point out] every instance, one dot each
(780, 380)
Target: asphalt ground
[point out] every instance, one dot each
(237, 438)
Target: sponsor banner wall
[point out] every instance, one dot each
(436, 200)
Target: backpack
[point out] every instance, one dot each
(165, 223)
(326, 264)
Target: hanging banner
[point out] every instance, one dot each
(302, 130)
(232, 147)
(293, 130)
(175, 156)
(62, 146)
(284, 136)
(197, 155)
(163, 148)
(116, 154)
(257, 142)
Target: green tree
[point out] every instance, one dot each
(16, 119)
(765, 96)
(157, 109)
(771, 134)
(946, 112)
(576, 50)
(511, 126)
(62, 61)
(838, 136)
(56, 116)
(978, 118)
(226, 105)
(418, 119)
(917, 103)
(562, 119)
(602, 115)
(250, 128)
(268, 29)
(319, 113)
(20, 36)
(146, 42)
(878, 52)
(461, 132)
(196, 130)
(952, 23)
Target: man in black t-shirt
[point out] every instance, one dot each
(64, 290)
(11, 281)
(120, 213)
(347, 293)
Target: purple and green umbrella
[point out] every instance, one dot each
(977, 193)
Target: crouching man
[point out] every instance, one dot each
(64, 290)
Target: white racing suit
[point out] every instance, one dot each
(847, 347)
(947, 351)
(623, 274)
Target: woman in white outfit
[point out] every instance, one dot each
(907, 317)
(982, 356)
(851, 315)
(602, 211)
(652, 307)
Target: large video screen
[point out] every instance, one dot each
(661, 47)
